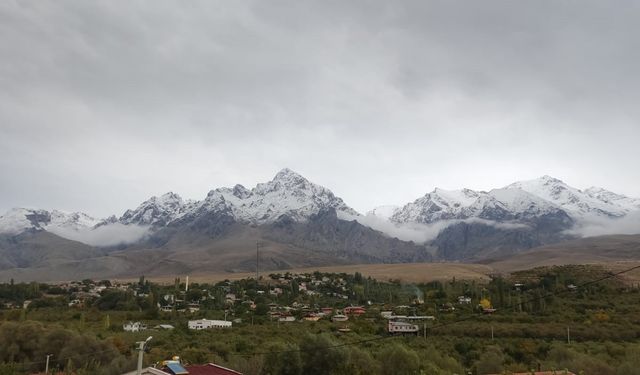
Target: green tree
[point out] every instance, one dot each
(319, 357)
(282, 360)
(397, 359)
(491, 361)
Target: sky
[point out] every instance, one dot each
(104, 104)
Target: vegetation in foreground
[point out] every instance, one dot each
(81, 325)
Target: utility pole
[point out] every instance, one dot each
(46, 366)
(492, 333)
(141, 345)
(258, 246)
(425, 330)
(568, 336)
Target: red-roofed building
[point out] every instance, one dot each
(354, 310)
(208, 369)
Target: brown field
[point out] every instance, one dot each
(406, 272)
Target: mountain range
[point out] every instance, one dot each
(299, 223)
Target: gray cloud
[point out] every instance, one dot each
(104, 104)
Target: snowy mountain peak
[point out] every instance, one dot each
(288, 193)
(241, 191)
(285, 179)
(18, 220)
(287, 174)
(550, 179)
(576, 202)
(155, 211)
(71, 220)
(384, 212)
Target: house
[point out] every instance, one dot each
(164, 326)
(287, 318)
(312, 317)
(134, 327)
(208, 369)
(175, 368)
(327, 310)
(199, 324)
(339, 318)
(148, 371)
(354, 310)
(464, 300)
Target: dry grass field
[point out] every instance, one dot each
(406, 272)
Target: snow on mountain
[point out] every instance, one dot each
(18, 220)
(288, 193)
(579, 204)
(610, 197)
(437, 205)
(497, 204)
(156, 211)
(384, 212)
(545, 202)
(71, 220)
(512, 203)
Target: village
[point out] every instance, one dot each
(277, 299)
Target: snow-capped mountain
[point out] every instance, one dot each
(577, 203)
(288, 193)
(511, 204)
(437, 205)
(519, 200)
(156, 210)
(18, 220)
(306, 223)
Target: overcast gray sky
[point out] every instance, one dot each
(105, 103)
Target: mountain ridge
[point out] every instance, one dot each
(292, 212)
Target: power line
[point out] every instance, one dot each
(446, 324)
(64, 359)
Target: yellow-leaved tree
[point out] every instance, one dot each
(485, 303)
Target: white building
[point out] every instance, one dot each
(134, 327)
(464, 300)
(207, 323)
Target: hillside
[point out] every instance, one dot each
(602, 249)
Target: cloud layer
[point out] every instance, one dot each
(104, 236)
(420, 233)
(629, 224)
